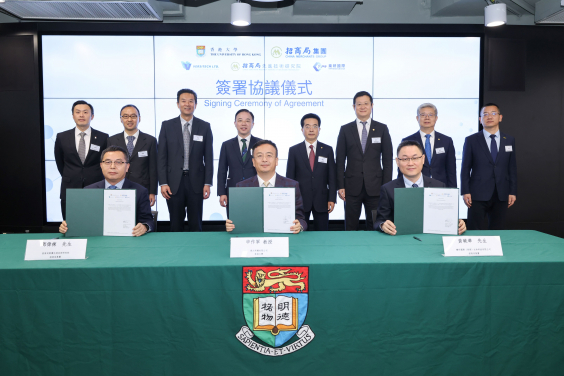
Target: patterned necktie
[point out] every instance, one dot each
(364, 135)
(186, 136)
(112, 187)
(82, 147)
(493, 147)
(428, 151)
(244, 151)
(265, 184)
(130, 144)
(311, 157)
(415, 186)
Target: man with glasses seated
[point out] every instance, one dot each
(142, 150)
(410, 160)
(115, 164)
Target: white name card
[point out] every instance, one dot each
(472, 246)
(198, 138)
(260, 247)
(94, 147)
(55, 249)
(440, 150)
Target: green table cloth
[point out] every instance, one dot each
(171, 304)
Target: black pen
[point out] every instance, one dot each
(416, 238)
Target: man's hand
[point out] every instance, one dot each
(152, 199)
(342, 194)
(206, 192)
(330, 206)
(296, 227)
(389, 228)
(229, 226)
(63, 227)
(165, 191)
(461, 227)
(223, 200)
(467, 199)
(511, 200)
(139, 230)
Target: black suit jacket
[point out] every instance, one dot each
(171, 155)
(281, 181)
(73, 173)
(143, 206)
(386, 204)
(142, 170)
(364, 167)
(231, 169)
(319, 186)
(479, 174)
(443, 165)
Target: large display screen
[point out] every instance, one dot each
(279, 79)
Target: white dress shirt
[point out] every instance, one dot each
(489, 140)
(87, 137)
(409, 184)
(248, 138)
(309, 149)
(118, 185)
(359, 128)
(431, 140)
(269, 184)
(136, 135)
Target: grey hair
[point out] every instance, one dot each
(430, 105)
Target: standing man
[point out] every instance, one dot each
(312, 164)
(440, 161)
(141, 149)
(185, 163)
(235, 161)
(77, 152)
(489, 172)
(361, 144)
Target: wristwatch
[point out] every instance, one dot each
(301, 228)
(147, 227)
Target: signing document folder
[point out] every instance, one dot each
(279, 209)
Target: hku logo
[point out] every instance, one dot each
(186, 65)
(275, 301)
(201, 50)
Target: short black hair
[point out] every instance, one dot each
(264, 142)
(130, 105)
(311, 116)
(490, 104)
(186, 91)
(362, 94)
(114, 148)
(244, 110)
(410, 143)
(82, 102)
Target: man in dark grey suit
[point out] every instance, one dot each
(410, 161)
(235, 161)
(185, 163)
(142, 150)
(361, 144)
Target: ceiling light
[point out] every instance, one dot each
(240, 14)
(496, 15)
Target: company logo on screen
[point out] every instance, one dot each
(201, 50)
(276, 52)
(235, 66)
(186, 65)
(231, 51)
(318, 66)
(305, 53)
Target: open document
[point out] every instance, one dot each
(279, 209)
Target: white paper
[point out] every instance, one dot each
(198, 138)
(508, 148)
(260, 247)
(279, 209)
(440, 211)
(322, 160)
(472, 246)
(440, 150)
(376, 140)
(55, 249)
(94, 147)
(119, 212)
(143, 153)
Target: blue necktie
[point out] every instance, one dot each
(112, 187)
(130, 144)
(244, 151)
(428, 151)
(364, 135)
(493, 147)
(415, 186)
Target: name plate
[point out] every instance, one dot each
(55, 249)
(260, 247)
(472, 246)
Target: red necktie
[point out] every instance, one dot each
(311, 157)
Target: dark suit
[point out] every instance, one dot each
(74, 174)
(489, 183)
(143, 206)
(231, 169)
(281, 181)
(318, 187)
(443, 165)
(364, 175)
(187, 188)
(386, 204)
(142, 169)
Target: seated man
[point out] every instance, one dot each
(410, 160)
(115, 163)
(265, 160)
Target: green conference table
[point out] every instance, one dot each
(171, 304)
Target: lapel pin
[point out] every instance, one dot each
(321, 147)
(372, 130)
(504, 137)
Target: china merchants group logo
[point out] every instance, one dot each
(235, 66)
(201, 50)
(275, 303)
(276, 52)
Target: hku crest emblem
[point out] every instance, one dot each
(275, 302)
(201, 50)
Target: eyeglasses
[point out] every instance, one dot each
(314, 127)
(108, 163)
(406, 160)
(132, 117)
(485, 114)
(427, 115)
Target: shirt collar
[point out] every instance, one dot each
(423, 134)
(136, 135)
(118, 185)
(272, 181)
(77, 131)
(488, 134)
(248, 138)
(358, 123)
(184, 122)
(409, 184)
(314, 144)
